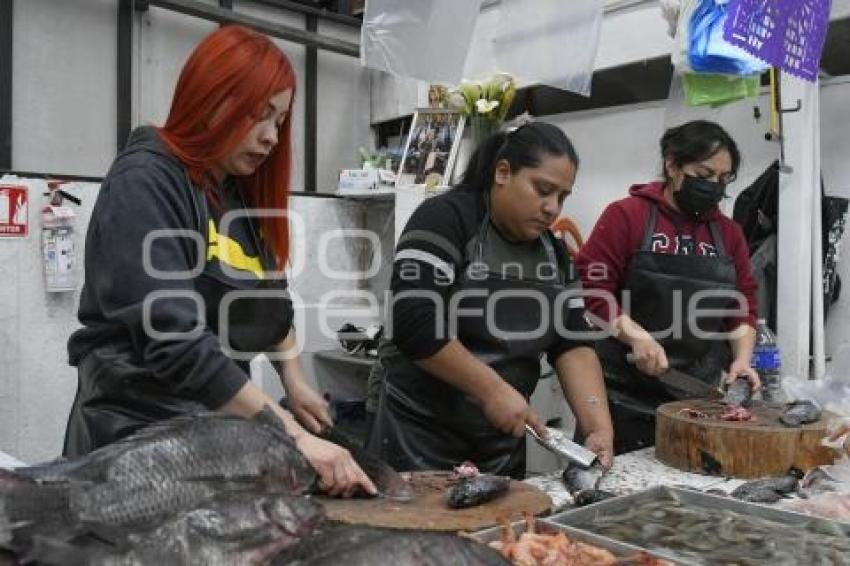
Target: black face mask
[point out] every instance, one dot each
(698, 196)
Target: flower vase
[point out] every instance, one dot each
(482, 128)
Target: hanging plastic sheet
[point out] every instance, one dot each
(715, 90)
(709, 52)
(425, 39)
(549, 42)
(789, 34)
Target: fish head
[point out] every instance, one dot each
(295, 516)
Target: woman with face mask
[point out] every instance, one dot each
(655, 265)
(184, 263)
(481, 290)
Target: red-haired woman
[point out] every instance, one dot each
(183, 284)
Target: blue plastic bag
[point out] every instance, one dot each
(709, 52)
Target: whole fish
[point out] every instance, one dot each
(583, 484)
(768, 490)
(169, 467)
(233, 528)
(739, 393)
(799, 413)
(469, 492)
(362, 546)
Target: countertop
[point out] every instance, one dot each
(634, 472)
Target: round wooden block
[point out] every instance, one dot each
(748, 449)
(429, 511)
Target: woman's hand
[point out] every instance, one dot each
(649, 356)
(509, 412)
(602, 443)
(339, 474)
(742, 368)
(311, 410)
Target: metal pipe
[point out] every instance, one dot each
(6, 83)
(223, 15)
(311, 111)
(124, 107)
(610, 7)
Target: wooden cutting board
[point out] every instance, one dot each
(428, 509)
(748, 449)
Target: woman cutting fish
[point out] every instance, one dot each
(653, 259)
(481, 289)
(184, 260)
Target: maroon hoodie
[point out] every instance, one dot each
(603, 260)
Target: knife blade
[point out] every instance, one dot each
(688, 384)
(562, 446)
(684, 382)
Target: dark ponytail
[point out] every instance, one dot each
(523, 147)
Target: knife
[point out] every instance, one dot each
(684, 382)
(562, 446)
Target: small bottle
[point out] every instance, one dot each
(767, 362)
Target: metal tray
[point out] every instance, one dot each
(618, 505)
(620, 549)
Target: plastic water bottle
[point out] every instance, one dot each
(767, 362)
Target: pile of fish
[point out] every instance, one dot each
(706, 535)
(223, 483)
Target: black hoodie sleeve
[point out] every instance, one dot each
(161, 316)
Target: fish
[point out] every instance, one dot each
(232, 528)
(799, 413)
(469, 492)
(388, 482)
(365, 546)
(739, 393)
(166, 468)
(768, 490)
(583, 484)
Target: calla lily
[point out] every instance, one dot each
(486, 106)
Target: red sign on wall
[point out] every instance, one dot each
(14, 211)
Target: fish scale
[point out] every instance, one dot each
(164, 469)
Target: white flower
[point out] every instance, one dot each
(486, 106)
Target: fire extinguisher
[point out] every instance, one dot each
(57, 239)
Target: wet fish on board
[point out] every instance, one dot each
(469, 492)
(799, 413)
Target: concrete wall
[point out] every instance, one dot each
(65, 76)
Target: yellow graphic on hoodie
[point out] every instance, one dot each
(230, 251)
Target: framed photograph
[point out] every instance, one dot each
(431, 148)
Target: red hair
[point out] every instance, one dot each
(222, 92)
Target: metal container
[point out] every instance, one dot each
(620, 505)
(619, 549)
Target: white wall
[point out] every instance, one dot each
(65, 77)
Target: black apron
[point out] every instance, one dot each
(652, 282)
(423, 423)
(117, 395)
